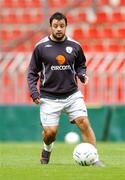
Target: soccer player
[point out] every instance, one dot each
(57, 61)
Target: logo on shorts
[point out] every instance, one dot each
(84, 110)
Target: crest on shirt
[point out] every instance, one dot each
(69, 49)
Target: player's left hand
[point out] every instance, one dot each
(84, 78)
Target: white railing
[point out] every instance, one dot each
(106, 73)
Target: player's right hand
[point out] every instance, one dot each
(37, 101)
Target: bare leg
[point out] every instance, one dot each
(86, 130)
(48, 135)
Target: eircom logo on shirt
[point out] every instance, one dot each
(61, 61)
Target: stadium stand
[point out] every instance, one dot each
(98, 25)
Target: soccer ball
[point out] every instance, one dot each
(85, 154)
(72, 137)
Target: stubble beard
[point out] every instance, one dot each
(58, 38)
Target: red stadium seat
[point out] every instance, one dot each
(102, 17)
(38, 18)
(71, 18)
(78, 34)
(98, 48)
(121, 32)
(27, 3)
(114, 48)
(117, 17)
(5, 35)
(29, 18)
(56, 3)
(108, 33)
(86, 47)
(35, 3)
(93, 33)
(16, 33)
(21, 4)
(10, 18)
(83, 4)
(26, 18)
(81, 17)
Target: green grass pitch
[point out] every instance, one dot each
(20, 161)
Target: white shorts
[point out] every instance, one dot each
(50, 110)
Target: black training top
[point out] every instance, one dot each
(57, 64)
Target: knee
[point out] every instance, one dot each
(49, 136)
(83, 123)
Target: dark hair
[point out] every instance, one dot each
(58, 16)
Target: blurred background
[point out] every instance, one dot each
(99, 25)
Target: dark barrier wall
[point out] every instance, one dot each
(19, 123)
(22, 123)
(117, 124)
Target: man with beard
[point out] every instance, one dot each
(57, 61)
